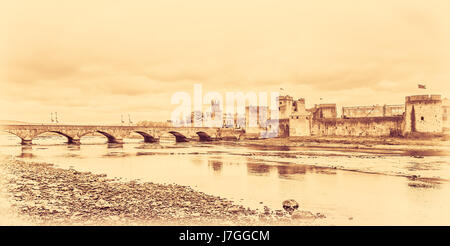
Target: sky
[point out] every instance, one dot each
(93, 61)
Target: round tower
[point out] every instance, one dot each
(423, 114)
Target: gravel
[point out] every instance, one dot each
(44, 194)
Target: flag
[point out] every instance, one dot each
(421, 86)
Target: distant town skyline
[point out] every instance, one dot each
(93, 61)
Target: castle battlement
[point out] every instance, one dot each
(423, 98)
(288, 98)
(325, 105)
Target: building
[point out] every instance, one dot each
(321, 111)
(421, 114)
(299, 119)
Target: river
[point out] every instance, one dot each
(356, 187)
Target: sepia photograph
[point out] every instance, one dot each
(193, 114)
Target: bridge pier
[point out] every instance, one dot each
(150, 139)
(181, 139)
(26, 141)
(205, 139)
(74, 141)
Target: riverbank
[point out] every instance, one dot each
(361, 143)
(44, 195)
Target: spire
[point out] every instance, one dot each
(129, 119)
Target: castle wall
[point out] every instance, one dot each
(284, 130)
(372, 111)
(362, 111)
(368, 126)
(299, 125)
(393, 110)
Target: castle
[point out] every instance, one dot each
(421, 114)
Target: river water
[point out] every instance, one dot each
(356, 187)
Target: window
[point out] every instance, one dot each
(297, 117)
(422, 118)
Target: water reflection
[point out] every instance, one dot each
(115, 146)
(285, 171)
(73, 147)
(197, 161)
(216, 165)
(26, 152)
(258, 168)
(288, 172)
(116, 154)
(149, 146)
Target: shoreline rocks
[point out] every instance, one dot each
(49, 195)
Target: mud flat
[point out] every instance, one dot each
(385, 145)
(41, 194)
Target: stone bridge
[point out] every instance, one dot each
(116, 134)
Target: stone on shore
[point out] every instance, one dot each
(290, 205)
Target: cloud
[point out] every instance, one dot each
(106, 55)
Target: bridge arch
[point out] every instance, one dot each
(111, 138)
(179, 137)
(27, 137)
(204, 136)
(11, 133)
(147, 137)
(70, 139)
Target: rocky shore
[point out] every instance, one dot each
(45, 195)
